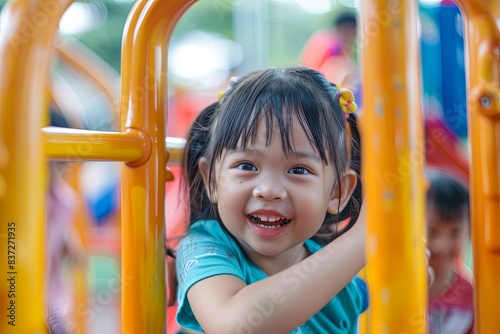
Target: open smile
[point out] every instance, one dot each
(268, 226)
(269, 222)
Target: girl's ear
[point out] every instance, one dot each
(342, 192)
(202, 166)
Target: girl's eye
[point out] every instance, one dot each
(299, 170)
(246, 166)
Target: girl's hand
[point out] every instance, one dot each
(360, 225)
(357, 233)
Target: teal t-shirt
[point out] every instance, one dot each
(208, 250)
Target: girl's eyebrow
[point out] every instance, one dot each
(306, 155)
(297, 154)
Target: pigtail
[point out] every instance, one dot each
(353, 207)
(343, 106)
(197, 203)
(348, 216)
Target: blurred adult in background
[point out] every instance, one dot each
(332, 52)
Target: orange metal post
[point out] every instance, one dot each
(482, 38)
(393, 152)
(144, 102)
(28, 29)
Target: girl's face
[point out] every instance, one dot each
(272, 202)
(446, 239)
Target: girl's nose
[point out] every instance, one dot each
(270, 190)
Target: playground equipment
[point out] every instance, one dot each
(394, 138)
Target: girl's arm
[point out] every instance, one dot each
(281, 302)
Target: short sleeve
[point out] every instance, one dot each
(201, 255)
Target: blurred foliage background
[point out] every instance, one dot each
(216, 39)
(286, 23)
(213, 40)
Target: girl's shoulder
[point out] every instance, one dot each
(206, 239)
(206, 231)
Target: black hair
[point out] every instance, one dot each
(345, 18)
(193, 188)
(197, 140)
(448, 195)
(275, 96)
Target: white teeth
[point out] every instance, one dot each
(268, 219)
(269, 227)
(264, 222)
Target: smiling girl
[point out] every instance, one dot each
(272, 173)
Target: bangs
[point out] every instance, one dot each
(278, 101)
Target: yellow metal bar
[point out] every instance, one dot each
(175, 148)
(132, 146)
(26, 37)
(392, 133)
(482, 38)
(143, 106)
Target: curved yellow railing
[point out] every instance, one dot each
(144, 101)
(482, 35)
(72, 144)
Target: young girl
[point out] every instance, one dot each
(276, 163)
(451, 301)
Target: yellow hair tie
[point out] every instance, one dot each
(220, 96)
(346, 100)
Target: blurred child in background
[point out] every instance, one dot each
(451, 303)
